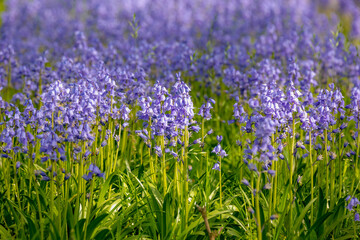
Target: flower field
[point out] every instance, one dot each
(180, 119)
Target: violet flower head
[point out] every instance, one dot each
(245, 182)
(329, 104)
(93, 171)
(158, 151)
(271, 172)
(205, 109)
(216, 166)
(18, 164)
(354, 105)
(195, 128)
(239, 113)
(265, 127)
(217, 149)
(222, 153)
(182, 109)
(352, 203)
(88, 176)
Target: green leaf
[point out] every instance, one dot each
(105, 188)
(4, 233)
(302, 215)
(200, 220)
(94, 224)
(102, 234)
(331, 227)
(32, 227)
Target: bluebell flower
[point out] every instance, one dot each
(195, 128)
(271, 172)
(216, 166)
(217, 149)
(252, 167)
(158, 151)
(67, 176)
(205, 109)
(88, 176)
(353, 203)
(93, 171)
(222, 153)
(245, 182)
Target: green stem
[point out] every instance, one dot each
(252, 186)
(357, 158)
(89, 207)
(52, 191)
(258, 207)
(275, 184)
(163, 165)
(326, 166)
(185, 186)
(272, 182)
(312, 179)
(292, 170)
(220, 182)
(40, 213)
(186, 182)
(340, 168)
(355, 234)
(117, 149)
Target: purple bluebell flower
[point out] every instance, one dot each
(353, 203)
(93, 171)
(267, 186)
(245, 182)
(158, 151)
(195, 128)
(271, 172)
(222, 153)
(87, 153)
(216, 166)
(205, 109)
(252, 167)
(217, 149)
(67, 176)
(239, 113)
(88, 176)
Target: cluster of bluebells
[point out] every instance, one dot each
(79, 76)
(67, 113)
(352, 206)
(205, 109)
(219, 152)
(169, 115)
(279, 107)
(101, 45)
